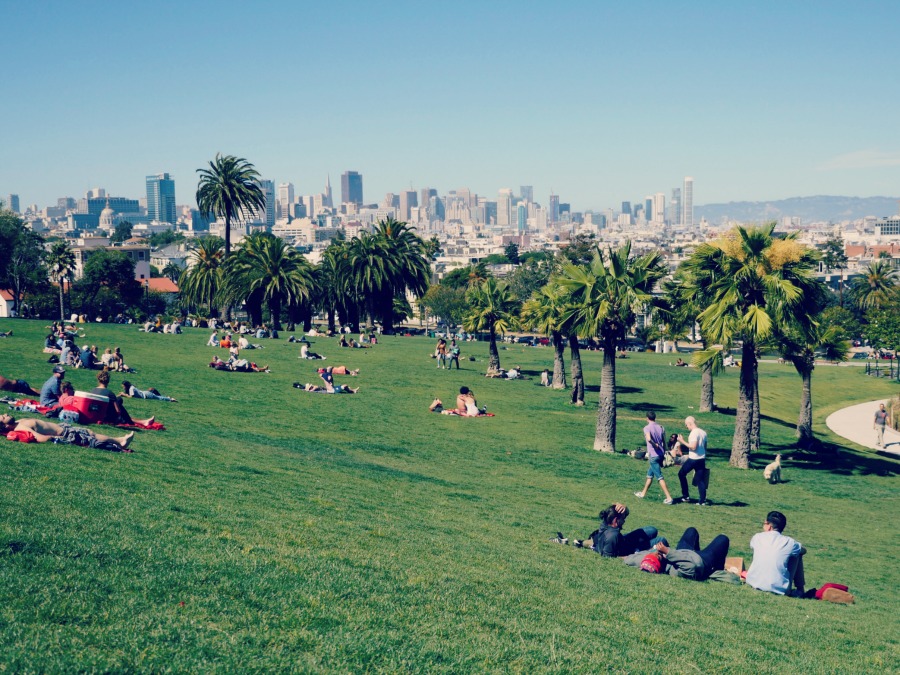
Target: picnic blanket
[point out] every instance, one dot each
(155, 426)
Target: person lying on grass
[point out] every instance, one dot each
(115, 411)
(335, 389)
(43, 431)
(609, 541)
(237, 366)
(131, 391)
(466, 405)
(18, 387)
(330, 386)
(686, 560)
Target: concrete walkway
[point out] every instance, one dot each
(856, 424)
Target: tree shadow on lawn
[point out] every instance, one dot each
(620, 389)
(831, 457)
(646, 405)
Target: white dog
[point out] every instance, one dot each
(772, 471)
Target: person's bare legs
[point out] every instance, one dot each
(665, 489)
(124, 441)
(643, 493)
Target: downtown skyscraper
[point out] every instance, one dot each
(351, 188)
(687, 202)
(161, 198)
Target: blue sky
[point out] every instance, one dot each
(598, 101)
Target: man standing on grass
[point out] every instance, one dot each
(655, 436)
(880, 422)
(696, 462)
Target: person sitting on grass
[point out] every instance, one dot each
(43, 431)
(680, 363)
(777, 565)
(115, 411)
(330, 386)
(306, 354)
(18, 387)
(131, 391)
(686, 560)
(466, 403)
(609, 541)
(213, 339)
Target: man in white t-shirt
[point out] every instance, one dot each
(777, 559)
(696, 461)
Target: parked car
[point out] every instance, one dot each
(859, 355)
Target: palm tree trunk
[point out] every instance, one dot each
(605, 435)
(330, 315)
(62, 301)
(275, 312)
(559, 361)
(804, 422)
(743, 422)
(577, 376)
(755, 429)
(227, 235)
(707, 395)
(494, 360)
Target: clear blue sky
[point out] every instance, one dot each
(600, 101)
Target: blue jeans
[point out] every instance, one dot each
(699, 467)
(713, 555)
(639, 540)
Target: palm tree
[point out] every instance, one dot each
(201, 282)
(270, 272)
(492, 307)
(410, 265)
(604, 296)
(750, 282)
(369, 269)
(801, 348)
(332, 278)
(172, 271)
(543, 312)
(876, 287)
(61, 263)
(229, 189)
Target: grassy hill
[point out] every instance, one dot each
(270, 529)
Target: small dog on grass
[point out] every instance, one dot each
(772, 471)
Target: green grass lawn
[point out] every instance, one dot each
(270, 529)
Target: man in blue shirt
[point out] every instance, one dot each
(50, 392)
(777, 559)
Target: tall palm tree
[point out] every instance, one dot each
(411, 265)
(332, 278)
(271, 273)
(370, 268)
(492, 307)
(229, 189)
(61, 263)
(171, 271)
(543, 313)
(201, 282)
(604, 296)
(749, 282)
(876, 287)
(801, 348)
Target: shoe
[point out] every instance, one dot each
(639, 495)
(705, 502)
(577, 543)
(684, 500)
(838, 596)
(668, 501)
(560, 539)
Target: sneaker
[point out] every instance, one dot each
(578, 543)
(684, 500)
(560, 539)
(639, 495)
(838, 596)
(668, 501)
(705, 502)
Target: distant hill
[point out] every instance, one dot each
(809, 209)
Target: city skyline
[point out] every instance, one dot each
(755, 102)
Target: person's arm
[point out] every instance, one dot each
(691, 443)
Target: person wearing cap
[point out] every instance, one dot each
(51, 391)
(686, 560)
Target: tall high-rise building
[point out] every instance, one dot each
(527, 193)
(12, 203)
(648, 208)
(327, 201)
(521, 217)
(659, 208)
(66, 203)
(409, 199)
(425, 195)
(626, 208)
(285, 200)
(687, 205)
(267, 213)
(554, 209)
(351, 188)
(675, 207)
(504, 207)
(160, 198)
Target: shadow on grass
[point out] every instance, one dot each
(619, 389)
(833, 458)
(646, 405)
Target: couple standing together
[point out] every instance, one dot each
(655, 436)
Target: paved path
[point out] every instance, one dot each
(855, 424)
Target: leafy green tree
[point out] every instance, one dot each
(495, 259)
(530, 276)
(801, 348)
(172, 271)
(748, 283)
(834, 258)
(229, 189)
(603, 298)
(463, 277)
(107, 285)
(544, 313)
(166, 237)
(449, 304)
(877, 287)
(201, 282)
(848, 323)
(492, 308)
(432, 248)
(122, 232)
(512, 253)
(580, 249)
(25, 270)
(61, 265)
(268, 271)
(883, 327)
